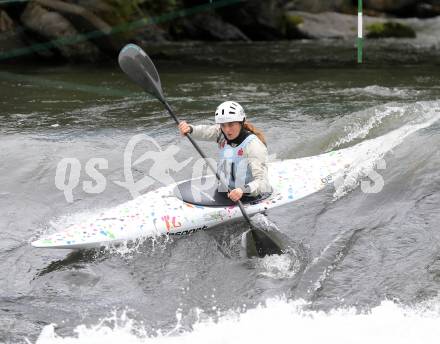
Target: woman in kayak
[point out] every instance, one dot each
(243, 152)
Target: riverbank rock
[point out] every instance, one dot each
(325, 25)
(102, 9)
(6, 23)
(389, 6)
(12, 48)
(125, 24)
(344, 26)
(149, 33)
(379, 8)
(318, 6)
(258, 20)
(428, 9)
(206, 27)
(55, 34)
(96, 30)
(406, 8)
(292, 26)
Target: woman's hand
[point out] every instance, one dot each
(184, 128)
(235, 194)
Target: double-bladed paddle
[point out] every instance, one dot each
(140, 69)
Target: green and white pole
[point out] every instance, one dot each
(360, 42)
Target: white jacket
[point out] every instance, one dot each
(255, 153)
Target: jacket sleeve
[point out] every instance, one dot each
(258, 158)
(205, 132)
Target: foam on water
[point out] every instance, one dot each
(278, 321)
(279, 266)
(381, 91)
(427, 32)
(371, 152)
(361, 130)
(128, 249)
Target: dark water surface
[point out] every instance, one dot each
(357, 249)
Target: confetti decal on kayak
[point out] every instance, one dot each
(170, 222)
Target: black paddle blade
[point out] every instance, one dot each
(139, 68)
(260, 243)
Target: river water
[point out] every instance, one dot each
(368, 264)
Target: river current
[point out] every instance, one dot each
(367, 265)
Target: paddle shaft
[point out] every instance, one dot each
(140, 69)
(202, 154)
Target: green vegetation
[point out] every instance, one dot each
(390, 29)
(290, 25)
(294, 20)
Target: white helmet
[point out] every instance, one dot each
(229, 112)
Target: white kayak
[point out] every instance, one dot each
(163, 212)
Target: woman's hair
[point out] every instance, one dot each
(254, 130)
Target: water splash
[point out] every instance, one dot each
(369, 154)
(275, 321)
(359, 130)
(279, 266)
(143, 245)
